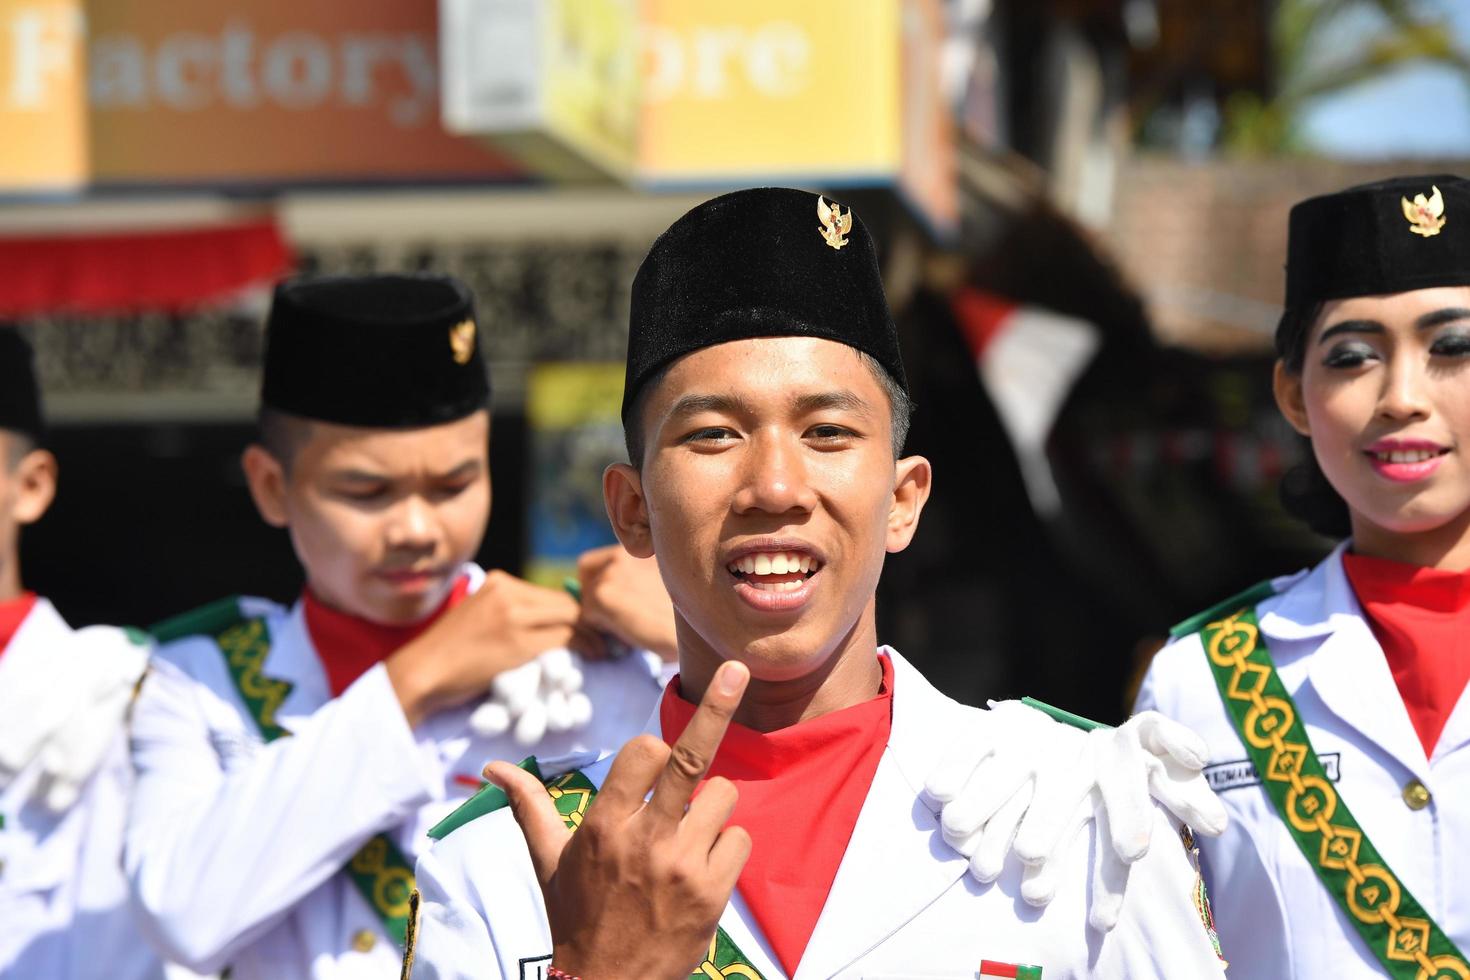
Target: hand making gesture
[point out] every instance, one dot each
(638, 891)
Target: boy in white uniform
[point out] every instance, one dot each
(290, 760)
(64, 774)
(764, 408)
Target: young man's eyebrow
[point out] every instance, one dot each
(694, 404)
(357, 476)
(841, 400)
(351, 475)
(466, 469)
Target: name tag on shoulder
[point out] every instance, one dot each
(1234, 775)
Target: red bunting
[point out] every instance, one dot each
(158, 271)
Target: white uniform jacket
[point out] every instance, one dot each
(235, 847)
(1275, 918)
(902, 905)
(64, 911)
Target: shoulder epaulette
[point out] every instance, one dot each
(1247, 597)
(489, 799)
(210, 620)
(1063, 716)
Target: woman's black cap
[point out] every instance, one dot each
(1392, 236)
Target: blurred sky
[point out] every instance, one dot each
(1421, 111)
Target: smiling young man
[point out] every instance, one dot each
(787, 833)
(290, 760)
(64, 774)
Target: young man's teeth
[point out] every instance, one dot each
(779, 586)
(774, 563)
(1406, 456)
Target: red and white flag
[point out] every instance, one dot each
(1028, 358)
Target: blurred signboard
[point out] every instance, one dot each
(43, 125)
(821, 92)
(271, 91)
(555, 81)
(765, 88)
(171, 92)
(574, 413)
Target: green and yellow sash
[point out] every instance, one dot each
(573, 793)
(379, 870)
(1394, 925)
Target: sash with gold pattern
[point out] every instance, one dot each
(379, 870)
(1394, 925)
(573, 793)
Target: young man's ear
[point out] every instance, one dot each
(266, 478)
(35, 486)
(622, 493)
(1286, 385)
(914, 478)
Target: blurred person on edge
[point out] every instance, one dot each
(1333, 700)
(64, 773)
(290, 761)
(789, 832)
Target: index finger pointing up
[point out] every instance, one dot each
(691, 755)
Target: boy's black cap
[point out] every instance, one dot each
(765, 262)
(20, 395)
(1386, 237)
(382, 351)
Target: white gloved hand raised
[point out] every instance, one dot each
(1030, 784)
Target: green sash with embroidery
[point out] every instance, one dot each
(572, 793)
(1394, 925)
(379, 870)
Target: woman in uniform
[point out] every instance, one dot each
(1332, 700)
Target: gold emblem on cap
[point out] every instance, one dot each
(836, 223)
(462, 341)
(1426, 217)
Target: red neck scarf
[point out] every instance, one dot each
(800, 792)
(350, 646)
(12, 614)
(1421, 617)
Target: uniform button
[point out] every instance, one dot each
(1416, 795)
(364, 940)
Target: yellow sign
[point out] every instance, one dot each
(43, 111)
(551, 82)
(770, 88)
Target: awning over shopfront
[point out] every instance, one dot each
(170, 270)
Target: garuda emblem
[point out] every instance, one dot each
(1426, 217)
(836, 223)
(462, 341)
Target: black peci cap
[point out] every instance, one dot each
(20, 395)
(1386, 237)
(766, 262)
(387, 351)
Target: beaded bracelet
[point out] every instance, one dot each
(552, 973)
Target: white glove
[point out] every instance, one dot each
(540, 696)
(67, 720)
(1032, 785)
